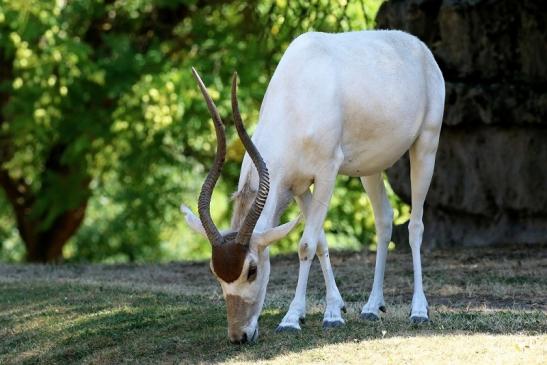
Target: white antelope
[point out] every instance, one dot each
(350, 103)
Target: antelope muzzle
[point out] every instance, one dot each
(241, 326)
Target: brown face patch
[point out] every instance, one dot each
(228, 260)
(238, 313)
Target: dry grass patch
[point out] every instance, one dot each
(456, 349)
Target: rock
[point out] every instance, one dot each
(490, 180)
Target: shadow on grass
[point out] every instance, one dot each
(68, 323)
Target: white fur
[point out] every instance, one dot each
(352, 104)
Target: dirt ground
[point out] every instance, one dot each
(486, 305)
(509, 277)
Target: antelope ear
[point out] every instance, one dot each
(264, 239)
(192, 220)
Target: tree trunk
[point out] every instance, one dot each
(47, 246)
(42, 245)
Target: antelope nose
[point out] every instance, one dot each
(241, 341)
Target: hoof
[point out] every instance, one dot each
(370, 317)
(344, 309)
(302, 320)
(332, 324)
(289, 329)
(419, 320)
(382, 308)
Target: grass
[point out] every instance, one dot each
(487, 305)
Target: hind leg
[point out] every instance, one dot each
(422, 162)
(383, 220)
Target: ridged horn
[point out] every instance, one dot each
(246, 230)
(204, 202)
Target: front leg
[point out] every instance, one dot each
(335, 303)
(297, 310)
(315, 210)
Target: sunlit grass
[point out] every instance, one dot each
(454, 349)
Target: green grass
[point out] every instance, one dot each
(487, 305)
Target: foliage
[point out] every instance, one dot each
(100, 114)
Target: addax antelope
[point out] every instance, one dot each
(350, 103)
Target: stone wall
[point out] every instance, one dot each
(490, 181)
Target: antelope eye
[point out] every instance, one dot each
(251, 275)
